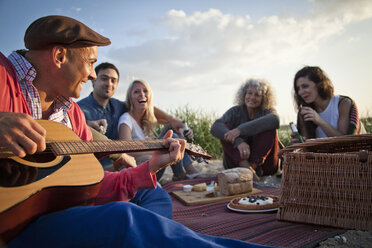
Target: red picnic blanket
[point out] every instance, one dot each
(260, 228)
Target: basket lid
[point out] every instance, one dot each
(346, 143)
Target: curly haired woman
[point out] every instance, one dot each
(248, 131)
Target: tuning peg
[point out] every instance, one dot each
(200, 160)
(192, 157)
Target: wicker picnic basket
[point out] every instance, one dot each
(328, 182)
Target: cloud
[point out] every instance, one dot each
(206, 42)
(353, 39)
(347, 11)
(76, 9)
(211, 49)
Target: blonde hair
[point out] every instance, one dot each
(149, 120)
(268, 97)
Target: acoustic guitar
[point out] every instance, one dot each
(66, 174)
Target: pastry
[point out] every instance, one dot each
(255, 202)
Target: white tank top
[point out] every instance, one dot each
(330, 115)
(136, 130)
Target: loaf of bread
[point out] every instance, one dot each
(235, 181)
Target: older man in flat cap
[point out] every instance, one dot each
(38, 83)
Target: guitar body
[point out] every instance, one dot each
(49, 183)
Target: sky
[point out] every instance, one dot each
(196, 53)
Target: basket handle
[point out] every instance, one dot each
(363, 156)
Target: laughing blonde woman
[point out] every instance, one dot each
(139, 123)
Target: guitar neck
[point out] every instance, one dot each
(105, 146)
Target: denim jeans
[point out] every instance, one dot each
(179, 167)
(156, 200)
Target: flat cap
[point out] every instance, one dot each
(62, 30)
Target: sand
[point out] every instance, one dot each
(351, 238)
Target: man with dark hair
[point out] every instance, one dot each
(39, 83)
(101, 110)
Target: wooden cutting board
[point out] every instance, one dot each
(194, 198)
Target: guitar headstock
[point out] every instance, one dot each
(197, 151)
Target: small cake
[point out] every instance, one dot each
(255, 202)
(235, 181)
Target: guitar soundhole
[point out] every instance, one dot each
(40, 157)
(14, 174)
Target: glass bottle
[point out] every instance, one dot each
(295, 132)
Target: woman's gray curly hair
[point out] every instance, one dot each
(268, 101)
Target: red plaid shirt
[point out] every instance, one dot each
(26, 74)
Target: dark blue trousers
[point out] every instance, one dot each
(156, 200)
(117, 224)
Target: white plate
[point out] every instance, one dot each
(251, 211)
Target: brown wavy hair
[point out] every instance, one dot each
(325, 91)
(319, 77)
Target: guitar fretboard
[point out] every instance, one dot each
(112, 146)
